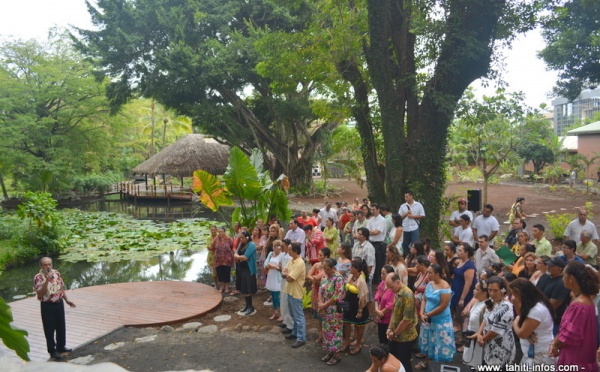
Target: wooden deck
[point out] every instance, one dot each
(106, 308)
(141, 191)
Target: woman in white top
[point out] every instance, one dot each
(273, 282)
(473, 353)
(533, 323)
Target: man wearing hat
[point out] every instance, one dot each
(455, 216)
(554, 289)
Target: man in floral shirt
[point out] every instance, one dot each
(402, 331)
(50, 289)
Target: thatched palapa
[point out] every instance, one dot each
(188, 154)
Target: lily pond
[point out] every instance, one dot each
(118, 242)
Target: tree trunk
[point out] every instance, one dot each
(415, 133)
(4, 192)
(361, 112)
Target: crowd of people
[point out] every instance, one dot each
(362, 263)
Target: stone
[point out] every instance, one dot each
(255, 328)
(208, 329)
(275, 330)
(192, 325)
(167, 328)
(82, 360)
(146, 339)
(114, 345)
(230, 299)
(238, 327)
(246, 328)
(19, 297)
(226, 329)
(222, 318)
(265, 329)
(312, 331)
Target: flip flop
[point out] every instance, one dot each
(355, 350)
(334, 361)
(421, 365)
(327, 357)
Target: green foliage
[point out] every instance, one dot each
(245, 180)
(572, 38)
(491, 131)
(537, 153)
(14, 338)
(559, 222)
(212, 192)
(112, 237)
(43, 231)
(96, 183)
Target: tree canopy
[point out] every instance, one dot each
(572, 33)
(199, 57)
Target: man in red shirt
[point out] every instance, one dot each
(305, 220)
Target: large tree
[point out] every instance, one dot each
(422, 55)
(198, 56)
(53, 114)
(572, 33)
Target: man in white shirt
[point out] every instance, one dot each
(364, 249)
(455, 216)
(576, 226)
(486, 224)
(377, 227)
(412, 212)
(296, 235)
(464, 234)
(485, 256)
(327, 212)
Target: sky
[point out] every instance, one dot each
(26, 19)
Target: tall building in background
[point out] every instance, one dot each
(568, 113)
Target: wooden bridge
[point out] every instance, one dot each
(135, 192)
(103, 309)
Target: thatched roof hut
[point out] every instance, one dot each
(188, 154)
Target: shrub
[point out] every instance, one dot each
(559, 222)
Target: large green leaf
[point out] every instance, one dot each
(212, 193)
(257, 160)
(241, 178)
(14, 338)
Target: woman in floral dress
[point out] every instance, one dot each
(495, 333)
(331, 292)
(222, 246)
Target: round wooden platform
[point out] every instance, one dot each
(105, 308)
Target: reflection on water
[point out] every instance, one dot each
(178, 265)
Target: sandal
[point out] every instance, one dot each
(273, 316)
(421, 365)
(460, 349)
(327, 357)
(334, 361)
(355, 350)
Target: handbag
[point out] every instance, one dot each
(266, 264)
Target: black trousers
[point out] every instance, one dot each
(402, 351)
(379, 261)
(53, 319)
(382, 333)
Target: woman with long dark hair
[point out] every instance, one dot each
(576, 341)
(384, 304)
(331, 292)
(357, 296)
(416, 249)
(222, 247)
(533, 324)
(246, 269)
(436, 339)
(396, 234)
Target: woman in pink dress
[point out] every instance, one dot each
(576, 341)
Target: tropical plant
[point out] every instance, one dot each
(558, 223)
(245, 180)
(14, 338)
(43, 232)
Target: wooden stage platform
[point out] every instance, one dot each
(106, 308)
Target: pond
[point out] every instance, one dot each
(179, 264)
